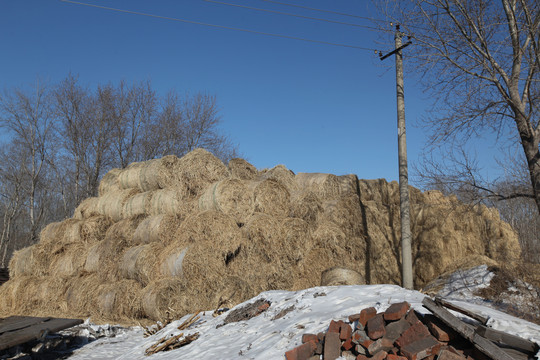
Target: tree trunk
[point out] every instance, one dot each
(530, 146)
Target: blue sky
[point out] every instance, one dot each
(311, 107)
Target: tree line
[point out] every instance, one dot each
(58, 140)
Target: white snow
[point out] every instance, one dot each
(263, 337)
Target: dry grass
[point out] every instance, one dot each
(229, 196)
(241, 169)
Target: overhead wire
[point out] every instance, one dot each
(294, 15)
(218, 26)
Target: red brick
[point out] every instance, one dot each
(411, 317)
(302, 352)
(366, 314)
(354, 317)
(379, 345)
(347, 344)
(361, 357)
(396, 328)
(449, 355)
(381, 355)
(439, 330)
(358, 336)
(421, 349)
(345, 331)
(360, 350)
(309, 337)
(334, 327)
(375, 327)
(332, 346)
(395, 357)
(396, 311)
(320, 336)
(347, 355)
(416, 332)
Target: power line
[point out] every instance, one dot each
(295, 15)
(218, 26)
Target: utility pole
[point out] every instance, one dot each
(406, 238)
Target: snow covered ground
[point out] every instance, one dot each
(307, 311)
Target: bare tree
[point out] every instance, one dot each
(479, 60)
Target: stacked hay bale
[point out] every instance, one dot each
(177, 235)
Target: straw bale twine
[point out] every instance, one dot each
(120, 300)
(159, 228)
(158, 173)
(129, 177)
(141, 262)
(70, 261)
(162, 296)
(270, 197)
(138, 204)
(87, 208)
(93, 229)
(306, 206)
(112, 204)
(341, 276)
(241, 169)
(109, 182)
(281, 174)
(198, 169)
(229, 196)
(172, 201)
(326, 186)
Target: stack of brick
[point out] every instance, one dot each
(395, 334)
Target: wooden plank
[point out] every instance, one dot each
(449, 305)
(18, 322)
(467, 331)
(36, 331)
(512, 341)
(516, 354)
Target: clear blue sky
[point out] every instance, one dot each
(312, 107)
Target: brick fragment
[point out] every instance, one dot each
(315, 357)
(361, 357)
(380, 345)
(345, 331)
(332, 346)
(366, 314)
(319, 349)
(354, 317)
(396, 328)
(421, 349)
(334, 327)
(416, 332)
(449, 355)
(412, 317)
(302, 352)
(359, 349)
(347, 355)
(438, 329)
(395, 357)
(309, 337)
(347, 344)
(320, 336)
(358, 336)
(381, 355)
(375, 327)
(396, 311)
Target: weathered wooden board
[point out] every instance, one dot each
(512, 341)
(449, 305)
(467, 331)
(30, 329)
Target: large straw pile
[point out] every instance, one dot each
(177, 235)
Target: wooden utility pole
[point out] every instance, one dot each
(406, 238)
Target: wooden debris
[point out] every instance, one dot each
(154, 329)
(512, 341)
(190, 321)
(171, 343)
(482, 319)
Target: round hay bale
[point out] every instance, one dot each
(348, 184)
(120, 300)
(22, 263)
(162, 296)
(326, 186)
(345, 212)
(241, 169)
(229, 196)
(306, 206)
(171, 201)
(109, 182)
(129, 177)
(70, 261)
(341, 276)
(209, 226)
(198, 169)
(71, 231)
(94, 228)
(86, 209)
(140, 262)
(281, 174)
(49, 232)
(270, 197)
(139, 204)
(158, 173)
(159, 228)
(112, 204)
(81, 294)
(93, 257)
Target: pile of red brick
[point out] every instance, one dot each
(395, 334)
